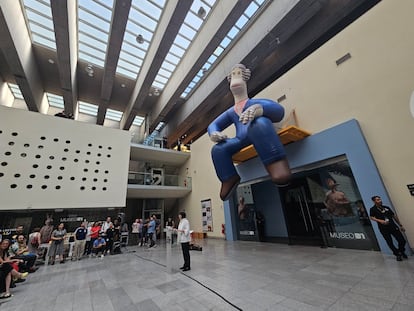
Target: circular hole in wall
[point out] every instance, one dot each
(35, 165)
(75, 160)
(47, 176)
(100, 147)
(17, 175)
(51, 157)
(72, 178)
(68, 141)
(29, 186)
(85, 169)
(106, 172)
(1, 132)
(96, 171)
(23, 155)
(49, 167)
(64, 159)
(13, 186)
(62, 168)
(7, 153)
(3, 163)
(108, 155)
(109, 148)
(44, 187)
(93, 188)
(89, 145)
(97, 162)
(86, 161)
(105, 180)
(60, 177)
(40, 147)
(56, 139)
(104, 188)
(83, 178)
(88, 153)
(11, 143)
(32, 176)
(1, 174)
(26, 145)
(82, 188)
(99, 154)
(95, 179)
(57, 187)
(66, 150)
(38, 156)
(77, 151)
(42, 138)
(14, 134)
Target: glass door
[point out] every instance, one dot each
(301, 219)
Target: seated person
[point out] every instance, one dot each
(99, 245)
(253, 119)
(20, 251)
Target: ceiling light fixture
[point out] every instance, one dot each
(51, 61)
(123, 85)
(156, 92)
(140, 39)
(89, 70)
(201, 12)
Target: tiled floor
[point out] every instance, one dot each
(224, 276)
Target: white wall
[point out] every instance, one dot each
(40, 154)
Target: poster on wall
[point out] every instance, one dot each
(207, 215)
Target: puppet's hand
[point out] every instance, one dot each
(217, 137)
(251, 113)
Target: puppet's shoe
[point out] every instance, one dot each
(228, 187)
(280, 172)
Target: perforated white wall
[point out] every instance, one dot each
(51, 162)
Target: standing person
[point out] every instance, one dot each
(96, 227)
(46, 231)
(80, 241)
(151, 231)
(56, 248)
(135, 232)
(184, 238)
(387, 220)
(88, 243)
(170, 225)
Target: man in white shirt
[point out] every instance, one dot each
(184, 238)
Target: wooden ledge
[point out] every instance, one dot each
(287, 135)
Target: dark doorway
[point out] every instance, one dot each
(300, 213)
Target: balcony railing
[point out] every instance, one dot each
(142, 178)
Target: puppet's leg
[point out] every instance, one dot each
(270, 150)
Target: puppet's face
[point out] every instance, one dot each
(237, 84)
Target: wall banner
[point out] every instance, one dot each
(206, 215)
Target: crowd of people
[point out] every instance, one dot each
(21, 254)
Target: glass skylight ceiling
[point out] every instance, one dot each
(87, 108)
(143, 20)
(189, 29)
(138, 121)
(244, 19)
(39, 17)
(14, 88)
(94, 24)
(113, 115)
(55, 101)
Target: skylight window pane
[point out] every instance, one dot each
(40, 23)
(138, 121)
(251, 9)
(55, 101)
(193, 20)
(165, 73)
(129, 65)
(15, 89)
(176, 50)
(143, 19)
(182, 42)
(158, 85)
(94, 24)
(88, 109)
(243, 20)
(113, 115)
(172, 59)
(126, 73)
(187, 31)
(161, 80)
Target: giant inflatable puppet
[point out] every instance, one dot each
(253, 119)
